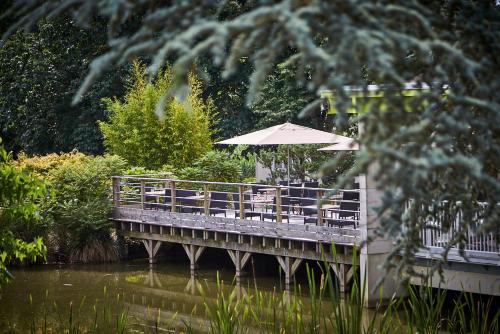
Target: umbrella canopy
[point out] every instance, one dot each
(286, 134)
(343, 146)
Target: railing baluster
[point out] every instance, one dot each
(206, 200)
(278, 205)
(116, 190)
(143, 191)
(172, 196)
(242, 202)
(320, 209)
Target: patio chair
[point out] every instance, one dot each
(348, 212)
(312, 184)
(284, 184)
(295, 194)
(285, 210)
(247, 206)
(310, 193)
(149, 200)
(255, 188)
(218, 203)
(310, 214)
(187, 205)
(167, 201)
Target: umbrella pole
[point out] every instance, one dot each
(288, 165)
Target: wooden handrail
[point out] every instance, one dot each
(132, 177)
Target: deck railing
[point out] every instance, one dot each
(281, 204)
(479, 247)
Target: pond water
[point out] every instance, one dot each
(82, 295)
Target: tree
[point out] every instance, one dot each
(39, 73)
(443, 155)
(19, 193)
(178, 137)
(228, 94)
(282, 98)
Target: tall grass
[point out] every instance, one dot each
(109, 316)
(330, 311)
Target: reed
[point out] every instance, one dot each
(426, 310)
(109, 316)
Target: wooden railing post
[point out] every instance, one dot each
(242, 202)
(116, 191)
(143, 193)
(172, 195)
(320, 208)
(206, 200)
(278, 205)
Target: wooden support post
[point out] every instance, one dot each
(172, 195)
(320, 208)
(343, 273)
(116, 191)
(193, 252)
(206, 200)
(278, 205)
(242, 202)
(143, 193)
(152, 247)
(288, 267)
(240, 259)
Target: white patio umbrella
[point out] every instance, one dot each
(286, 134)
(351, 145)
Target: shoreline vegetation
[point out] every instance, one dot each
(424, 310)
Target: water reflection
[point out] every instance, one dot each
(164, 290)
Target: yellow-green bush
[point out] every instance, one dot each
(135, 132)
(75, 218)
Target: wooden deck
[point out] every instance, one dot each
(289, 243)
(154, 210)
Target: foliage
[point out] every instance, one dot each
(39, 73)
(246, 161)
(282, 98)
(234, 116)
(76, 218)
(444, 154)
(134, 132)
(19, 194)
(217, 166)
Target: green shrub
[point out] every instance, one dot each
(19, 194)
(135, 132)
(246, 161)
(75, 219)
(215, 166)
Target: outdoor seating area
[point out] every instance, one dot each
(295, 204)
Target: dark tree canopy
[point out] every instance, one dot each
(444, 155)
(40, 72)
